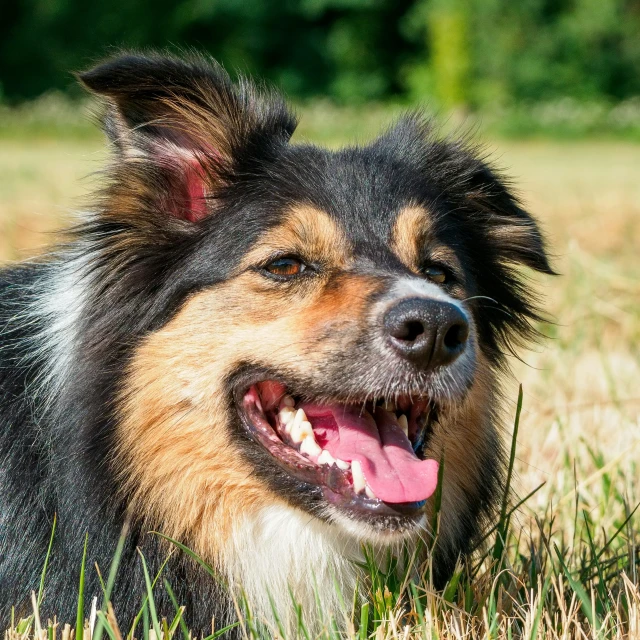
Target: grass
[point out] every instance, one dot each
(563, 564)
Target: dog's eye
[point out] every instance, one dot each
(286, 267)
(435, 274)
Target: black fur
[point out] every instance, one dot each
(143, 262)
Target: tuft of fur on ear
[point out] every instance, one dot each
(511, 238)
(183, 130)
(514, 231)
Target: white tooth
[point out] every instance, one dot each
(286, 415)
(359, 481)
(301, 430)
(310, 447)
(342, 464)
(288, 401)
(298, 418)
(404, 424)
(369, 491)
(326, 458)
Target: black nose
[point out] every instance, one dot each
(429, 333)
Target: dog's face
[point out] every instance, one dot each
(316, 328)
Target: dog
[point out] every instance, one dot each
(267, 351)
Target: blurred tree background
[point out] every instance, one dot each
(471, 54)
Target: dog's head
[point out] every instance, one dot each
(300, 325)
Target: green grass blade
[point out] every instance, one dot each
(601, 588)
(503, 523)
(363, 629)
(80, 608)
(452, 587)
(113, 572)
(338, 589)
(354, 600)
(136, 620)
(145, 618)
(150, 599)
(437, 504)
(417, 604)
(171, 629)
(276, 615)
(617, 532)
(302, 630)
(46, 560)
(222, 631)
(194, 556)
(174, 601)
(102, 618)
(580, 591)
(509, 514)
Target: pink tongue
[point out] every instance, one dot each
(390, 466)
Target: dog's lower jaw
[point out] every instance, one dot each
(384, 532)
(279, 554)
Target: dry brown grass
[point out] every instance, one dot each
(580, 429)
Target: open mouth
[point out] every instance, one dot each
(365, 457)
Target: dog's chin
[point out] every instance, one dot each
(359, 465)
(378, 531)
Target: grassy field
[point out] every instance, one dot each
(569, 568)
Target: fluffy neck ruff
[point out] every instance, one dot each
(279, 555)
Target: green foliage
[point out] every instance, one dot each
(454, 53)
(450, 58)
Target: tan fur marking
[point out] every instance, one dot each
(410, 232)
(345, 301)
(308, 232)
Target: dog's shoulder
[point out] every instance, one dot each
(19, 326)
(18, 319)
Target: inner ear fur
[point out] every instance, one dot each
(186, 119)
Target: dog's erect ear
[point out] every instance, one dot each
(508, 237)
(510, 228)
(187, 125)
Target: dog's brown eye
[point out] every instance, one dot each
(286, 267)
(435, 274)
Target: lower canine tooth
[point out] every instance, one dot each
(310, 447)
(369, 491)
(288, 401)
(325, 457)
(359, 482)
(404, 424)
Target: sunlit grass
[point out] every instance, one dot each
(566, 565)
